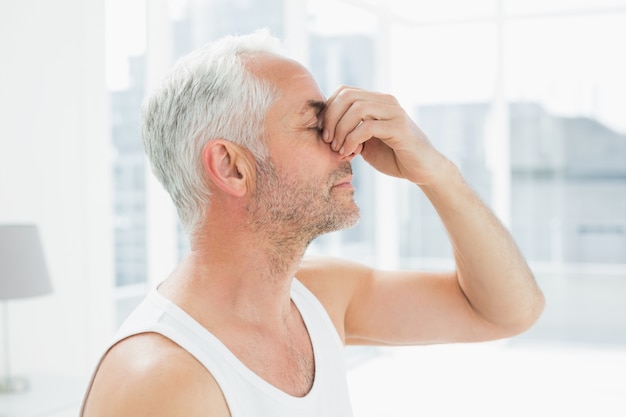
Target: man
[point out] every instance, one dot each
(257, 162)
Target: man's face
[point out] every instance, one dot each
(304, 186)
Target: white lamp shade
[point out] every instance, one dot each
(23, 271)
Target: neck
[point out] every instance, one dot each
(247, 275)
(273, 253)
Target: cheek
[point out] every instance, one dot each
(319, 157)
(309, 160)
(305, 180)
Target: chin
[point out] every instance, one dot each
(335, 226)
(345, 220)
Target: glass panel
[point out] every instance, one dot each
(568, 131)
(515, 7)
(438, 64)
(564, 79)
(202, 21)
(441, 10)
(126, 43)
(328, 18)
(445, 76)
(343, 51)
(125, 37)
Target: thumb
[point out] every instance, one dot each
(381, 157)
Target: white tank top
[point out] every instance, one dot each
(246, 393)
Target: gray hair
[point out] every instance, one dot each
(208, 94)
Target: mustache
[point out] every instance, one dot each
(341, 172)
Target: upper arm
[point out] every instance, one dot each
(149, 375)
(370, 306)
(405, 307)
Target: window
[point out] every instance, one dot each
(510, 91)
(526, 97)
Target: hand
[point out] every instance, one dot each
(375, 126)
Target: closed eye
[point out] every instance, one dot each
(317, 129)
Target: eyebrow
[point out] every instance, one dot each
(317, 105)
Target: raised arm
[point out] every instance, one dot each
(491, 294)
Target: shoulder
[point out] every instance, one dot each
(322, 273)
(334, 282)
(148, 374)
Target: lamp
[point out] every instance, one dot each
(23, 274)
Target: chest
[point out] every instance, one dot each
(287, 361)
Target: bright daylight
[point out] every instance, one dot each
(439, 186)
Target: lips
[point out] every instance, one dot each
(342, 177)
(347, 181)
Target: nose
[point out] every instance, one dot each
(345, 158)
(353, 155)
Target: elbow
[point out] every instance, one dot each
(527, 315)
(536, 309)
(529, 304)
(514, 316)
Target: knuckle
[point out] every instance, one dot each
(359, 106)
(390, 98)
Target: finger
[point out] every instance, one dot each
(359, 112)
(380, 120)
(356, 139)
(336, 106)
(350, 120)
(343, 100)
(357, 152)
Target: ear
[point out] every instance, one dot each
(227, 166)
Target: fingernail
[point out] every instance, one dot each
(342, 150)
(334, 145)
(325, 135)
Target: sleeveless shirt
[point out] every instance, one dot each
(246, 393)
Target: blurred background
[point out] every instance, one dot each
(527, 97)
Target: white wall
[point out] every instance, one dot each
(54, 171)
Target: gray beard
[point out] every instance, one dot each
(290, 215)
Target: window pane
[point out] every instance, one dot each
(568, 137)
(343, 51)
(513, 7)
(445, 76)
(328, 17)
(564, 78)
(126, 44)
(422, 10)
(444, 63)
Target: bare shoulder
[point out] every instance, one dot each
(328, 268)
(149, 375)
(335, 283)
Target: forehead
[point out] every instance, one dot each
(298, 90)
